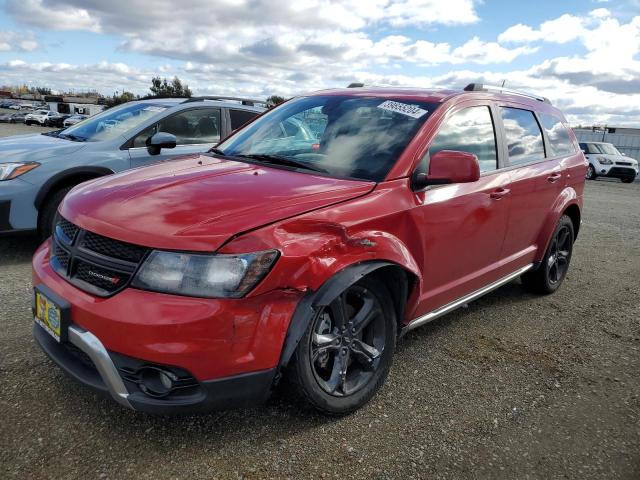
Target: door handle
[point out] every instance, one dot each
(499, 193)
(554, 177)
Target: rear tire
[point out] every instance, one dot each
(591, 173)
(338, 370)
(548, 277)
(48, 212)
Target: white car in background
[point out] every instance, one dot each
(73, 119)
(41, 117)
(605, 160)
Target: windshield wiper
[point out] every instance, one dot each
(72, 137)
(278, 160)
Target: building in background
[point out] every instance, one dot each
(85, 105)
(627, 140)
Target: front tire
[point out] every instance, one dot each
(345, 354)
(627, 180)
(48, 212)
(591, 173)
(548, 277)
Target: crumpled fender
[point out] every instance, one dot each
(313, 251)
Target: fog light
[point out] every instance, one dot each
(156, 382)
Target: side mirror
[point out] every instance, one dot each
(449, 166)
(160, 140)
(623, 154)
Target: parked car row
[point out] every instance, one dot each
(300, 246)
(45, 118)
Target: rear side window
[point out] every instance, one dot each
(469, 130)
(240, 117)
(524, 138)
(559, 140)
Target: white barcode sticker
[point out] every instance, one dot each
(403, 108)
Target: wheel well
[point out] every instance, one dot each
(573, 212)
(68, 181)
(400, 283)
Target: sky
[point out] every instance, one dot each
(584, 55)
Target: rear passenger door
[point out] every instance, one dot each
(196, 130)
(537, 178)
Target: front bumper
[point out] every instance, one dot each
(615, 170)
(102, 375)
(229, 347)
(17, 210)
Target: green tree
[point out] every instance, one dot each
(274, 100)
(162, 88)
(117, 99)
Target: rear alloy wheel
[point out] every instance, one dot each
(591, 173)
(548, 277)
(346, 352)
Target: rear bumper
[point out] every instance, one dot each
(103, 376)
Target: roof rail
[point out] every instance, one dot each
(244, 101)
(479, 87)
(355, 85)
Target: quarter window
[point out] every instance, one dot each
(240, 117)
(198, 126)
(469, 130)
(559, 140)
(524, 138)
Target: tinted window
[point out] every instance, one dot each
(342, 135)
(469, 130)
(559, 140)
(524, 138)
(240, 117)
(190, 127)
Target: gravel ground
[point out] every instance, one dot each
(514, 386)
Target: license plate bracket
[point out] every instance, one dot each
(51, 312)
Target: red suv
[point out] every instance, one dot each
(305, 245)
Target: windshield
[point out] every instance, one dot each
(113, 122)
(344, 136)
(605, 148)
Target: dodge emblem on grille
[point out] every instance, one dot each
(114, 280)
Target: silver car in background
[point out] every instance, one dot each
(37, 170)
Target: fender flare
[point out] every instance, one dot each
(322, 297)
(65, 174)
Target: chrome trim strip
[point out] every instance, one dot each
(438, 312)
(89, 344)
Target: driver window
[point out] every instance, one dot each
(469, 130)
(199, 126)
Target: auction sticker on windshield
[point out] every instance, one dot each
(412, 111)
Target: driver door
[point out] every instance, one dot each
(196, 131)
(462, 226)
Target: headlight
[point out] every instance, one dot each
(210, 276)
(13, 170)
(604, 161)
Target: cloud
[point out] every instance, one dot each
(17, 41)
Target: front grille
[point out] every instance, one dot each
(68, 229)
(622, 171)
(624, 163)
(91, 262)
(113, 248)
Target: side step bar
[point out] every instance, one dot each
(449, 307)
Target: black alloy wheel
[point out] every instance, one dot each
(551, 272)
(558, 260)
(347, 342)
(346, 352)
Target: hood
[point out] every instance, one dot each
(35, 147)
(199, 202)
